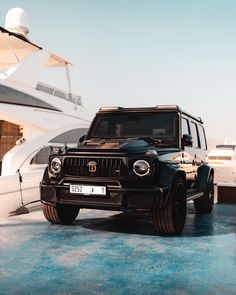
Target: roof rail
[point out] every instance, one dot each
(113, 108)
(172, 107)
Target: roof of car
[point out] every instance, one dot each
(159, 108)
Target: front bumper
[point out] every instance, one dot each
(117, 197)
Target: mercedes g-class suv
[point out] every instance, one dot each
(150, 159)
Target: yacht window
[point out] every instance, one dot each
(70, 136)
(42, 156)
(13, 96)
(226, 158)
(212, 157)
(226, 146)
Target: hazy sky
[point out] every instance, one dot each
(144, 53)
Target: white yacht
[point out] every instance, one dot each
(34, 116)
(223, 159)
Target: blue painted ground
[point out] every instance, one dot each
(112, 253)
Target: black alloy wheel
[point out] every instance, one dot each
(171, 219)
(205, 203)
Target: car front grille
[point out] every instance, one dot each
(94, 167)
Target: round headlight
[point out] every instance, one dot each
(141, 168)
(56, 165)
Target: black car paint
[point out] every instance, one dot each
(167, 162)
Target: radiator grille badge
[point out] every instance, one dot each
(92, 166)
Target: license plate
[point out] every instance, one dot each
(87, 189)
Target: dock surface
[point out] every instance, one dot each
(107, 252)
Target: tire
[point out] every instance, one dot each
(61, 214)
(205, 203)
(171, 219)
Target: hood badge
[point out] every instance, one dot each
(92, 166)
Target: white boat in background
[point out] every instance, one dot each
(223, 159)
(34, 116)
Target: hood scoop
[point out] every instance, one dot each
(110, 144)
(104, 144)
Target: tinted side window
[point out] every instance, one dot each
(185, 126)
(194, 133)
(202, 137)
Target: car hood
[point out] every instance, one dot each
(124, 146)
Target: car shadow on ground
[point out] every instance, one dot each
(220, 222)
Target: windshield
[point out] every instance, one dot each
(160, 126)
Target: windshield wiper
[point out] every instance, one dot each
(152, 140)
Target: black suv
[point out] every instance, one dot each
(150, 159)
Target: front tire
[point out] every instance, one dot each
(171, 219)
(60, 214)
(205, 203)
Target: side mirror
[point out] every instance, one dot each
(187, 140)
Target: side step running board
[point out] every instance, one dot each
(193, 194)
